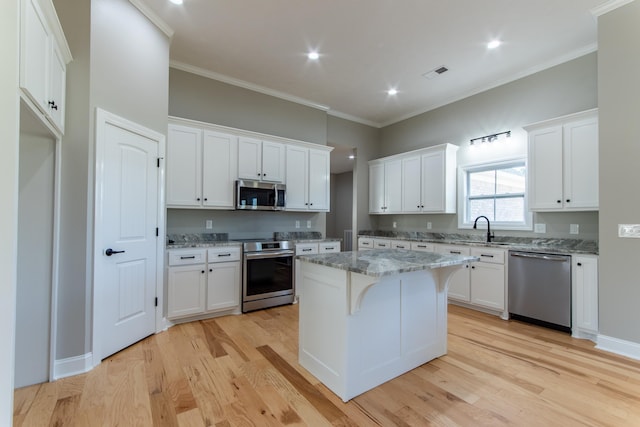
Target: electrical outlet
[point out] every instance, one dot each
(395, 224)
(428, 225)
(308, 223)
(574, 228)
(209, 224)
(297, 224)
(540, 228)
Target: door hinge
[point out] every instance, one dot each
(156, 301)
(157, 232)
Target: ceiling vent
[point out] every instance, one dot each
(435, 72)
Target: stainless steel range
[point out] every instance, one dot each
(267, 274)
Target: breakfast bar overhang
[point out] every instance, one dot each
(369, 316)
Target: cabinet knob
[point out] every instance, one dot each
(568, 200)
(202, 271)
(210, 270)
(198, 199)
(558, 201)
(579, 264)
(311, 204)
(264, 174)
(473, 266)
(205, 199)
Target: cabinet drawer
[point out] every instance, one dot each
(452, 249)
(400, 244)
(494, 256)
(421, 246)
(187, 256)
(306, 248)
(223, 254)
(381, 243)
(328, 247)
(365, 242)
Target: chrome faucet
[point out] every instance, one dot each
(475, 226)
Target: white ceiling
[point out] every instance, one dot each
(369, 46)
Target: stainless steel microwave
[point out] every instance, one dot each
(260, 196)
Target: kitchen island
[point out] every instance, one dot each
(366, 317)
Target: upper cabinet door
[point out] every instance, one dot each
(34, 54)
(297, 178)
(250, 158)
(273, 168)
(319, 180)
(545, 168)
(376, 188)
(393, 186)
(581, 164)
(57, 86)
(219, 169)
(411, 188)
(184, 166)
(433, 182)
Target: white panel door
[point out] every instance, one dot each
(319, 180)
(545, 169)
(219, 169)
(127, 210)
(433, 185)
(411, 194)
(184, 166)
(376, 188)
(393, 186)
(273, 169)
(581, 164)
(34, 53)
(297, 178)
(223, 285)
(250, 158)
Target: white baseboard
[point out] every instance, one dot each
(72, 366)
(618, 346)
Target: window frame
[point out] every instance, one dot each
(463, 197)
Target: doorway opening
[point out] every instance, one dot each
(342, 220)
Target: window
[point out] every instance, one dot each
(497, 191)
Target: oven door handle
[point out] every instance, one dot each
(271, 254)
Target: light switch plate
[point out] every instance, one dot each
(574, 228)
(629, 230)
(428, 225)
(209, 224)
(308, 223)
(395, 224)
(540, 228)
(297, 224)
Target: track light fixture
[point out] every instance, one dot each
(490, 138)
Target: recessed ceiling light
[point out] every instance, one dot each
(392, 92)
(176, 1)
(351, 156)
(313, 55)
(493, 44)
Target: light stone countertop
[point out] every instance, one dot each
(386, 262)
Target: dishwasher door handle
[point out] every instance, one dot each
(545, 257)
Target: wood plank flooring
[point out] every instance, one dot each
(243, 371)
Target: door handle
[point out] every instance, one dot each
(110, 252)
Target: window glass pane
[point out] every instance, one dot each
(510, 180)
(510, 209)
(481, 207)
(482, 183)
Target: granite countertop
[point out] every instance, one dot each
(559, 246)
(206, 240)
(385, 262)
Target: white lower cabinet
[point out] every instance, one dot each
(202, 281)
(306, 248)
(585, 296)
(480, 284)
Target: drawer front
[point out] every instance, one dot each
(400, 244)
(421, 246)
(365, 242)
(381, 243)
(187, 256)
(452, 249)
(223, 254)
(306, 248)
(328, 247)
(493, 256)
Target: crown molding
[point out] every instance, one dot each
(243, 84)
(153, 17)
(608, 7)
(351, 118)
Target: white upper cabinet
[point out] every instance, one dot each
(44, 54)
(421, 181)
(308, 173)
(201, 168)
(429, 180)
(261, 160)
(385, 186)
(563, 163)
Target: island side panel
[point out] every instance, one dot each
(401, 324)
(323, 306)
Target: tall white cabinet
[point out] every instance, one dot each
(308, 173)
(385, 186)
(563, 163)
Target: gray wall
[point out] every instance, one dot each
(125, 78)
(566, 88)
(199, 98)
(618, 90)
(35, 251)
(9, 120)
(365, 139)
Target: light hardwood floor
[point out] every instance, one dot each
(243, 371)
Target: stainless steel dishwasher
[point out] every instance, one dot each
(540, 289)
